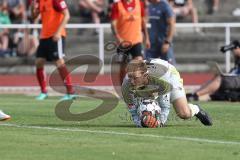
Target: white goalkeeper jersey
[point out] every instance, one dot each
(163, 79)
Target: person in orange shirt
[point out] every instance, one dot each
(128, 24)
(54, 16)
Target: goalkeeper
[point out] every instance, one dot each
(144, 79)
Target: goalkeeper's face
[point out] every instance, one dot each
(138, 79)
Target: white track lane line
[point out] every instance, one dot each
(123, 133)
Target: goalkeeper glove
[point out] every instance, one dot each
(149, 121)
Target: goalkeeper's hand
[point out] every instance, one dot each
(147, 120)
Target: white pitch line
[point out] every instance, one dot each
(124, 133)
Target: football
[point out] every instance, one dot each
(149, 107)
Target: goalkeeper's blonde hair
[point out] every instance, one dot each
(136, 65)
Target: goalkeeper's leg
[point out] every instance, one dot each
(181, 106)
(186, 111)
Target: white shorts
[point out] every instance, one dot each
(177, 83)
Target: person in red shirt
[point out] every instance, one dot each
(54, 16)
(128, 23)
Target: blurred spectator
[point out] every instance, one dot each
(213, 6)
(184, 8)
(162, 20)
(4, 33)
(29, 14)
(26, 40)
(17, 10)
(95, 7)
(221, 87)
(27, 43)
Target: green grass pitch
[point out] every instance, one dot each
(35, 133)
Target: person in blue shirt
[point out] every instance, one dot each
(161, 32)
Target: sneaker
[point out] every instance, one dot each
(3, 116)
(69, 97)
(204, 117)
(42, 96)
(192, 97)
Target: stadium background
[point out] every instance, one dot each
(34, 132)
(192, 50)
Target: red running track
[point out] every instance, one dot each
(102, 80)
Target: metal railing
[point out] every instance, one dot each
(101, 28)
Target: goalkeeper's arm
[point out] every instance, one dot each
(128, 98)
(164, 103)
(135, 116)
